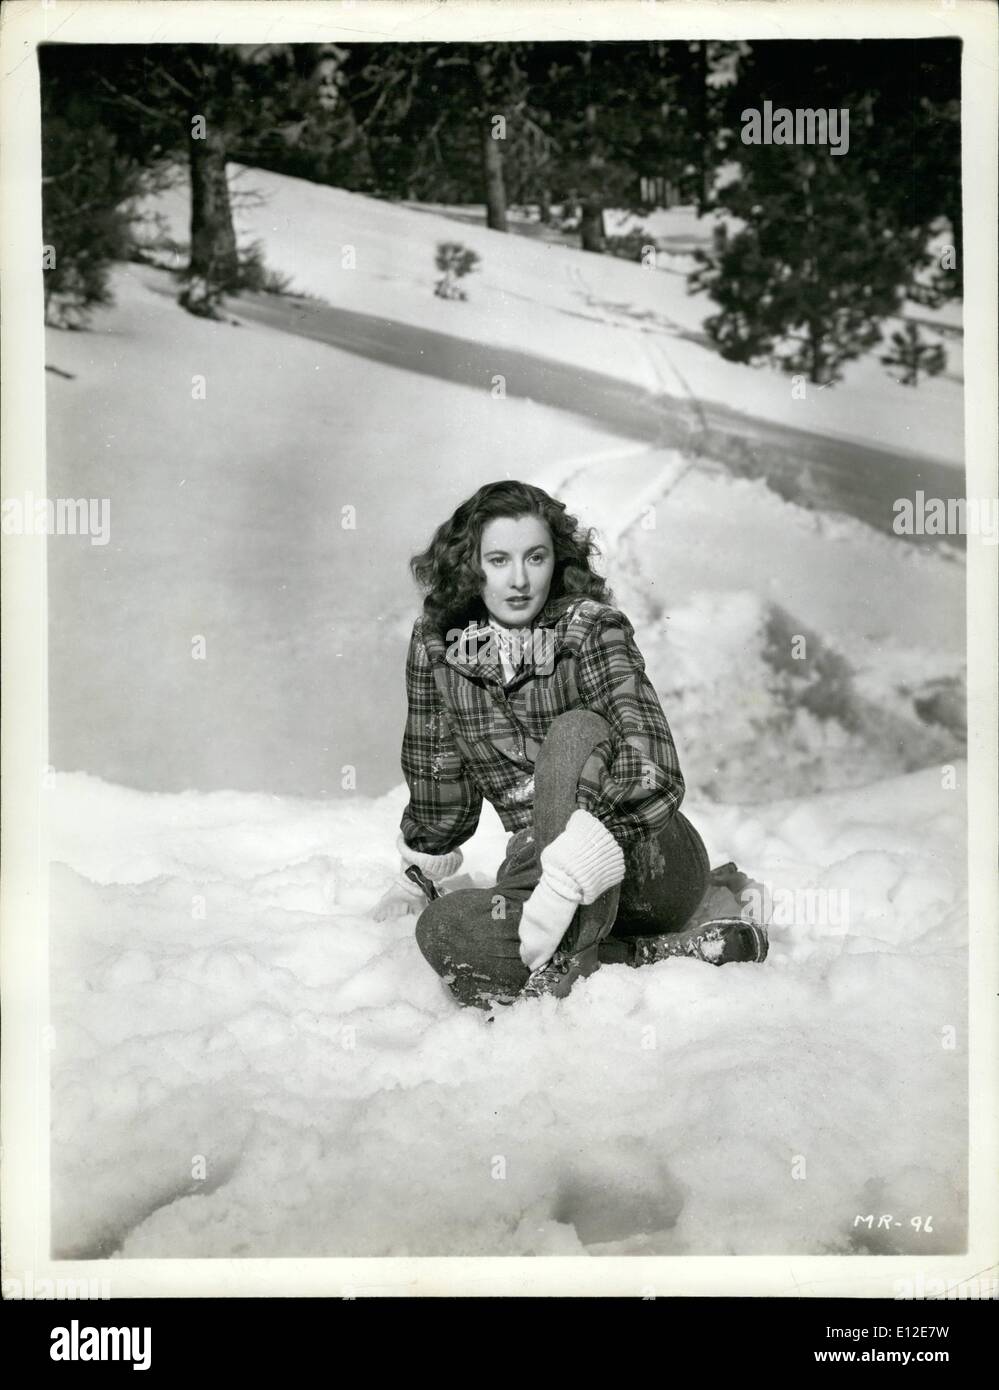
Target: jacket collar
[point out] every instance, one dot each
(474, 653)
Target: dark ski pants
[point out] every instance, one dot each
(470, 936)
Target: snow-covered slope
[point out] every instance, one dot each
(274, 1073)
(274, 516)
(601, 313)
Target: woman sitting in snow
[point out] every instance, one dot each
(526, 687)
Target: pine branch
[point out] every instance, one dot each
(129, 100)
(163, 72)
(66, 173)
(386, 92)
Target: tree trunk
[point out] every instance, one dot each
(702, 127)
(492, 164)
(545, 206)
(488, 105)
(591, 226)
(213, 240)
(817, 372)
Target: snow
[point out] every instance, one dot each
(573, 299)
(343, 1106)
(227, 522)
(245, 1062)
(698, 552)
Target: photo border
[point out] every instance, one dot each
(24, 955)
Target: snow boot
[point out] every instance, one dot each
(723, 941)
(562, 972)
(581, 949)
(716, 939)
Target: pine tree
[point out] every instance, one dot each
(617, 112)
(89, 184)
(812, 272)
(914, 354)
(213, 100)
(202, 103)
(827, 246)
(445, 121)
(456, 261)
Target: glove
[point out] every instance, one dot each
(577, 867)
(401, 898)
(435, 866)
(405, 896)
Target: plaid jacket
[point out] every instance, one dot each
(469, 736)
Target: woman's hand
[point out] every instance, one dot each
(402, 897)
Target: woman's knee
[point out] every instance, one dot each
(571, 735)
(455, 928)
(434, 929)
(477, 956)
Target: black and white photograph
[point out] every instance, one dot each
(511, 515)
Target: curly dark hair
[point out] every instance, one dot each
(451, 576)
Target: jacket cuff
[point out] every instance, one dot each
(585, 860)
(435, 866)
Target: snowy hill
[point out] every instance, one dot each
(232, 505)
(218, 988)
(608, 315)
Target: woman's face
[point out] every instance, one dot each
(518, 561)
